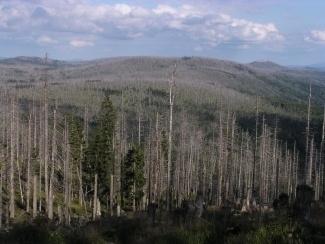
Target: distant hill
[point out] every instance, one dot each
(24, 60)
(266, 79)
(267, 65)
(320, 66)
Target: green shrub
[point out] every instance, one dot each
(31, 233)
(198, 234)
(269, 234)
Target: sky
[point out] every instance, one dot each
(284, 31)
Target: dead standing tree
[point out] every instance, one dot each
(46, 135)
(255, 148)
(29, 151)
(307, 137)
(53, 159)
(321, 157)
(172, 86)
(12, 158)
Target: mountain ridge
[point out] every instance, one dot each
(260, 78)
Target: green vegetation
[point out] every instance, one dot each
(132, 177)
(220, 229)
(99, 153)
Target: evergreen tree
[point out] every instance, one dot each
(75, 138)
(100, 154)
(76, 143)
(133, 176)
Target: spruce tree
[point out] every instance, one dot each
(100, 154)
(75, 138)
(133, 175)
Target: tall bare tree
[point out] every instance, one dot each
(307, 134)
(172, 86)
(12, 158)
(29, 149)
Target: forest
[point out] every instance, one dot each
(93, 157)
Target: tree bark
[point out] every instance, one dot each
(29, 149)
(307, 136)
(53, 159)
(111, 195)
(67, 177)
(170, 139)
(34, 196)
(12, 158)
(255, 147)
(95, 199)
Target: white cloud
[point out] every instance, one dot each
(317, 36)
(46, 40)
(81, 43)
(164, 9)
(125, 21)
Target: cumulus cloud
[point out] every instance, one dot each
(80, 43)
(46, 40)
(125, 21)
(317, 36)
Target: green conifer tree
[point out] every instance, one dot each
(100, 154)
(133, 175)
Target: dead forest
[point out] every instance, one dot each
(83, 151)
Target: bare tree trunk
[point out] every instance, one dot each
(240, 189)
(294, 172)
(277, 178)
(81, 194)
(134, 191)
(35, 128)
(41, 152)
(310, 163)
(262, 159)
(232, 170)
(155, 193)
(53, 158)
(18, 154)
(95, 199)
(220, 161)
(34, 196)
(274, 158)
(8, 154)
(12, 158)
(111, 196)
(29, 148)
(149, 185)
(321, 156)
(85, 143)
(46, 134)
(307, 134)
(67, 177)
(255, 148)
(226, 172)
(170, 134)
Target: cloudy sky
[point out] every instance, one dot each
(284, 31)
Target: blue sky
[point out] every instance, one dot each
(284, 31)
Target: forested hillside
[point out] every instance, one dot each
(264, 79)
(81, 141)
